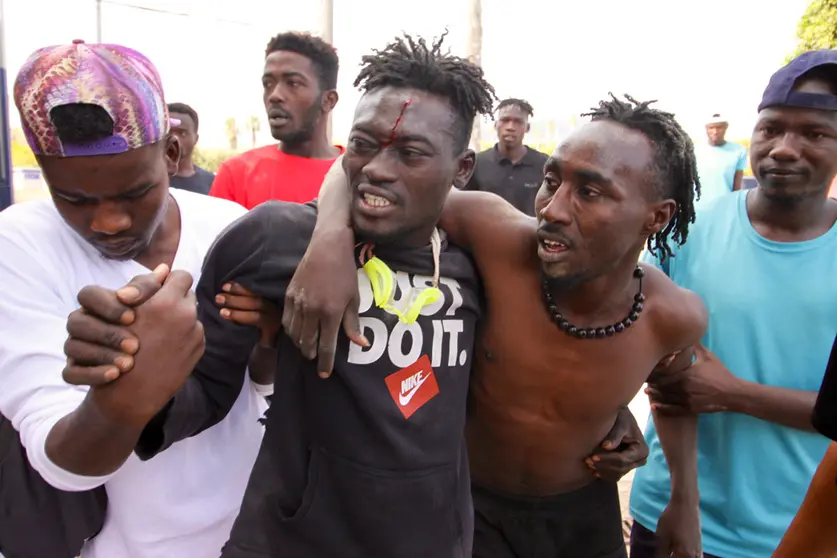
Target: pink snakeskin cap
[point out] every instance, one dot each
(119, 79)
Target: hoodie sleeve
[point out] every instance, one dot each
(261, 252)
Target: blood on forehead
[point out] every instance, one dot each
(397, 123)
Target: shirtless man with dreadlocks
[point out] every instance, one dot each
(574, 327)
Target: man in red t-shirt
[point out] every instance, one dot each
(300, 81)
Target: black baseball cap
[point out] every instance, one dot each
(779, 91)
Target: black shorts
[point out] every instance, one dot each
(585, 523)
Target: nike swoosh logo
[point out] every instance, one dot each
(405, 398)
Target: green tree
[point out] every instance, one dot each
(817, 29)
(210, 159)
(254, 126)
(232, 133)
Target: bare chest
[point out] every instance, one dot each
(525, 361)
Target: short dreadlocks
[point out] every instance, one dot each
(674, 162)
(412, 63)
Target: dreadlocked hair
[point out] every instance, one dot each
(412, 63)
(674, 162)
(519, 103)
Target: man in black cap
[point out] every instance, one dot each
(764, 262)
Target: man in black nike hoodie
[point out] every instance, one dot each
(370, 462)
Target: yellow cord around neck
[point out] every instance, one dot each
(382, 280)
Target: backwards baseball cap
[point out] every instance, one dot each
(119, 79)
(779, 91)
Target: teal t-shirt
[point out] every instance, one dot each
(716, 166)
(772, 320)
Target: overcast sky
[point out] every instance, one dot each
(695, 57)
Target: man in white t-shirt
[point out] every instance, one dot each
(721, 163)
(96, 118)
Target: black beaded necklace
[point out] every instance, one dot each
(596, 332)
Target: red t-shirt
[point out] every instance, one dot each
(266, 173)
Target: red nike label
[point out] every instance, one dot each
(413, 386)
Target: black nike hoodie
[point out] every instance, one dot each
(369, 463)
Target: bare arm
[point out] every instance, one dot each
(262, 365)
(709, 387)
(89, 443)
(812, 532)
(683, 320)
(324, 291)
(788, 407)
(469, 218)
(334, 204)
(96, 438)
(737, 180)
(678, 438)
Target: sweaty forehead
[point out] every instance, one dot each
(416, 112)
(608, 148)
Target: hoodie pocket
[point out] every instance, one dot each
(349, 510)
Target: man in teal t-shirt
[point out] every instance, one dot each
(764, 262)
(721, 163)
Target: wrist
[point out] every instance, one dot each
(733, 397)
(683, 495)
(101, 409)
(332, 230)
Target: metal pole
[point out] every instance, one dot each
(98, 21)
(6, 194)
(475, 56)
(327, 34)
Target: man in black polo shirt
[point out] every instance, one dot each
(189, 176)
(510, 169)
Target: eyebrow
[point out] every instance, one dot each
(286, 75)
(587, 175)
(402, 138)
(132, 191)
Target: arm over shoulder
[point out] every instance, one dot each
(680, 315)
(483, 222)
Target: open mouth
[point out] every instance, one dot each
(553, 246)
(371, 200)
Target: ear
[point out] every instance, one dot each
(659, 215)
(197, 137)
(330, 99)
(465, 168)
(172, 154)
(528, 127)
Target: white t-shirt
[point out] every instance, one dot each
(183, 502)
